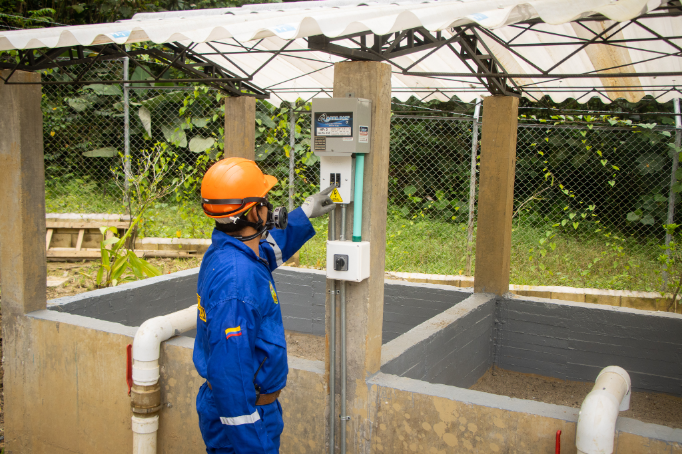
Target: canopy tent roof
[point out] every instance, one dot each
(437, 48)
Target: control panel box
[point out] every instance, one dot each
(341, 126)
(348, 261)
(340, 172)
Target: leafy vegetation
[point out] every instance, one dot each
(41, 13)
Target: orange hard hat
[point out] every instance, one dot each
(232, 186)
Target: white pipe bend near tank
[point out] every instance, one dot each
(599, 411)
(146, 392)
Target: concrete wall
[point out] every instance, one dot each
(77, 394)
(453, 348)
(566, 340)
(301, 291)
(76, 397)
(415, 416)
(574, 341)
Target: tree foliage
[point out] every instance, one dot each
(41, 13)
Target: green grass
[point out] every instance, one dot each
(428, 246)
(434, 247)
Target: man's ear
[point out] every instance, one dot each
(253, 214)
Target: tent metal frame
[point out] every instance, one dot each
(467, 43)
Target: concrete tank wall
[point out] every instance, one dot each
(561, 339)
(71, 371)
(574, 341)
(301, 292)
(453, 348)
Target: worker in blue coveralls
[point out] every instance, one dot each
(240, 347)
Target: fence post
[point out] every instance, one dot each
(292, 157)
(671, 197)
(126, 136)
(472, 185)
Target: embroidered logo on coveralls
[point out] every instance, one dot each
(274, 294)
(202, 312)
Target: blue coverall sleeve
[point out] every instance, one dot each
(232, 327)
(282, 244)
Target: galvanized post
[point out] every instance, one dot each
(472, 185)
(292, 155)
(126, 136)
(671, 196)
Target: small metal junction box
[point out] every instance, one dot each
(341, 126)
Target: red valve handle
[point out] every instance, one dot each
(129, 367)
(558, 442)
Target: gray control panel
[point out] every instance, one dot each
(341, 126)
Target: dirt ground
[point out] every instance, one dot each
(306, 346)
(81, 275)
(646, 407)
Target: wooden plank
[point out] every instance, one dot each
(79, 242)
(71, 253)
(169, 254)
(48, 238)
(87, 225)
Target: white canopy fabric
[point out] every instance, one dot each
(236, 39)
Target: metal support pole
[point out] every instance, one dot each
(342, 289)
(126, 136)
(472, 185)
(292, 156)
(673, 180)
(332, 344)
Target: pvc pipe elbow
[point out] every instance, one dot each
(148, 338)
(599, 411)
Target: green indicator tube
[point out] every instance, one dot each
(357, 208)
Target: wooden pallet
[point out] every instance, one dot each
(60, 236)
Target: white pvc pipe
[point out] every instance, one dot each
(147, 343)
(598, 414)
(146, 352)
(144, 434)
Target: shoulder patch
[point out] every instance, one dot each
(232, 332)
(202, 312)
(274, 294)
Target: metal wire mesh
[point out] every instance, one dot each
(589, 201)
(589, 204)
(428, 190)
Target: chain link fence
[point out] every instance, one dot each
(590, 200)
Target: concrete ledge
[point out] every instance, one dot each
(393, 349)
(452, 348)
(652, 301)
(83, 322)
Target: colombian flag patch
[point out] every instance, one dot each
(232, 332)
